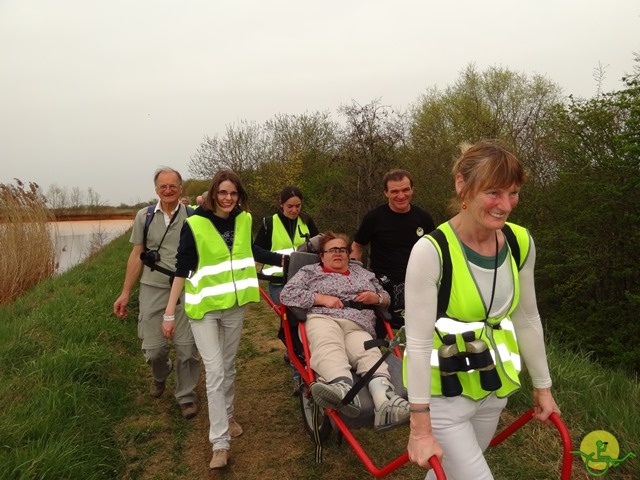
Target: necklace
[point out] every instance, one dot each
(495, 275)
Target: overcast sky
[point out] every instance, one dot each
(100, 93)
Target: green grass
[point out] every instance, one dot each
(73, 390)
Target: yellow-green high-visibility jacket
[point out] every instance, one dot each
(466, 311)
(222, 278)
(281, 242)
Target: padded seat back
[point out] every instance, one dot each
(297, 260)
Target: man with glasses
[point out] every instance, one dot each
(392, 229)
(155, 237)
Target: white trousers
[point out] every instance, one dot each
(217, 337)
(464, 428)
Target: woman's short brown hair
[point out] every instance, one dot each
(486, 165)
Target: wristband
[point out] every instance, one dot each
(379, 299)
(419, 410)
(168, 318)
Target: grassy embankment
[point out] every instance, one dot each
(75, 404)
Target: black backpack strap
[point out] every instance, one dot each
(151, 212)
(447, 271)
(444, 292)
(268, 225)
(513, 244)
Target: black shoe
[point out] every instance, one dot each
(189, 410)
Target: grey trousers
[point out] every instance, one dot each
(156, 348)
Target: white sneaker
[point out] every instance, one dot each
(392, 413)
(329, 395)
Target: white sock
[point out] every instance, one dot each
(378, 387)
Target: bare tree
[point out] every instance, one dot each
(241, 149)
(93, 199)
(76, 197)
(373, 142)
(57, 197)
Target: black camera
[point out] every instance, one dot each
(150, 257)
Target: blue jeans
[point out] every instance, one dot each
(274, 292)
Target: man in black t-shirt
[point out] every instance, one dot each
(392, 229)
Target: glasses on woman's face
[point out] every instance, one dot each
(341, 250)
(225, 194)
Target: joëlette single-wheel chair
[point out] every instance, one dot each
(318, 422)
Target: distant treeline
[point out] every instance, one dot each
(581, 203)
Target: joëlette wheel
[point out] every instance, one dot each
(308, 409)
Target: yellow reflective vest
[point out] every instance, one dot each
(466, 312)
(223, 278)
(281, 242)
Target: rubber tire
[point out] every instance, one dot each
(306, 409)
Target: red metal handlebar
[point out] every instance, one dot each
(437, 468)
(562, 430)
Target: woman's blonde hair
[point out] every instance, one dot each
(486, 165)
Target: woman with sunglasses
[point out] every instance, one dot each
(336, 331)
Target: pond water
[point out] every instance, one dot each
(75, 240)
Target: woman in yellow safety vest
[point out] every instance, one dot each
(283, 232)
(465, 346)
(215, 265)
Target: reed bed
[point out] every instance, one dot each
(28, 253)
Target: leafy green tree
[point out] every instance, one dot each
(299, 146)
(194, 187)
(589, 226)
(493, 104)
